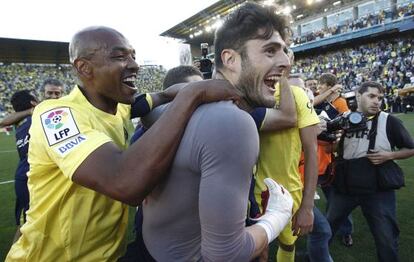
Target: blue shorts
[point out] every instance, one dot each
(22, 201)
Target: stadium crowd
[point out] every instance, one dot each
(15, 77)
(150, 78)
(389, 61)
(353, 25)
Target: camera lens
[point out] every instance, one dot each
(355, 118)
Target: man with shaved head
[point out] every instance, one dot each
(81, 175)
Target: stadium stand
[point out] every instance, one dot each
(350, 25)
(355, 40)
(150, 78)
(389, 61)
(14, 77)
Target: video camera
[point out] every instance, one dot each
(205, 63)
(349, 122)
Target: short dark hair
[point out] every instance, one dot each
(21, 100)
(53, 82)
(328, 79)
(179, 74)
(364, 87)
(243, 25)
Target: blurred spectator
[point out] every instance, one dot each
(53, 89)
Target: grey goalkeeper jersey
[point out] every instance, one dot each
(198, 213)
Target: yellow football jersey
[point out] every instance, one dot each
(66, 221)
(280, 150)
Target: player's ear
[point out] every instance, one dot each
(231, 59)
(83, 68)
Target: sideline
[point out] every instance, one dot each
(7, 151)
(6, 182)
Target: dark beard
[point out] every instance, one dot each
(247, 84)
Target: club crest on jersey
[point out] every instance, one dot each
(59, 125)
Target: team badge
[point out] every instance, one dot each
(58, 125)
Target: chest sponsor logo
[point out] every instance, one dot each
(59, 125)
(67, 146)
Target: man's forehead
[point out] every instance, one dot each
(123, 48)
(275, 39)
(113, 41)
(53, 87)
(373, 91)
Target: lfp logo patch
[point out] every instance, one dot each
(59, 125)
(56, 119)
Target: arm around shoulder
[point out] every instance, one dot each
(285, 116)
(128, 176)
(15, 117)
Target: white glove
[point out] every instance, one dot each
(278, 211)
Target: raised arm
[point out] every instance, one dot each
(166, 95)
(334, 91)
(15, 117)
(130, 175)
(285, 116)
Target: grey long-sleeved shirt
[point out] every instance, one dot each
(198, 213)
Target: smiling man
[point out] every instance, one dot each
(198, 213)
(81, 175)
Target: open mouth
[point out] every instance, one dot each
(271, 81)
(130, 81)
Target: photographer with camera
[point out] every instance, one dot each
(330, 95)
(365, 174)
(205, 65)
(329, 100)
